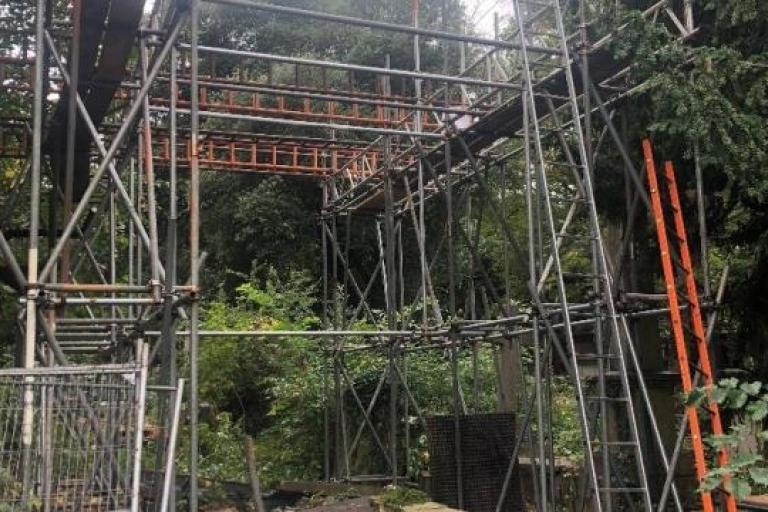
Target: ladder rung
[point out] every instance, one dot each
(538, 33)
(607, 398)
(615, 443)
(552, 97)
(578, 237)
(698, 369)
(569, 200)
(679, 264)
(688, 329)
(581, 275)
(548, 64)
(597, 356)
(692, 333)
(564, 164)
(623, 489)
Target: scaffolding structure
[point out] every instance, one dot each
(531, 108)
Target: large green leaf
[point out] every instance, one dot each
(759, 475)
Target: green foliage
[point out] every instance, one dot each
(568, 440)
(239, 374)
(712, 90)
(397, 497)
(267, 387)
(746, 470)
(222, 457)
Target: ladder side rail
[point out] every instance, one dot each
(552, 232)
(694, 308)
(676, 320)
(600, 246)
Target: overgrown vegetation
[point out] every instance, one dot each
(746, 405)
(395, 498)
(262, 235)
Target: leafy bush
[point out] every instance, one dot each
(395, 497)
(746, 471)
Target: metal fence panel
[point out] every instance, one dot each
(80, 447)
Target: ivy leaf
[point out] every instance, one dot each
(757, 410)
(737, 398)
(739, 487)
(729, 383)
(759, 475)
(743, 460)
(719, 395)
(751, 388)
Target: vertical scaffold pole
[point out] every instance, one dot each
(28, 358)
(194, 253)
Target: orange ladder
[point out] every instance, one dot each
(695, 317)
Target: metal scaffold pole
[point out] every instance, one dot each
(30, 329)
(194, 255)
(462, 224)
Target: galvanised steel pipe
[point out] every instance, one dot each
(356, 67)
(94, 301)
(308, 334)
(95, 288)
(111, 152)
(348, 20)
(194, 253)
(306, 124)
(120, 188)
(7, 252)
(96, 320)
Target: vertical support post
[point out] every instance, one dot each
(72, 117)
(532, 276)
(47, 425)
(688, 15)
(420, 168)
(113, 260)
(391, 303)
(194, 253)
(142, 359)
(169, 475)
(326, 325)
(28, 358)
(168, 355)
(131, 229)
(701, 211)
(149, 169)
(253, 473)
(169, 331)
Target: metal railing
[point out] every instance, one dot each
(81, 450)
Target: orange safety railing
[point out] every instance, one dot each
(286, 157)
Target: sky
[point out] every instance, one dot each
(480, 13)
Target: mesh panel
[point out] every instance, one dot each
(487, 443)
(67, 438)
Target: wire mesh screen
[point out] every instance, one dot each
(487, 444)
(69, 438)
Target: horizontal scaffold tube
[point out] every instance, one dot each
(381, 25)
(356, 67)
